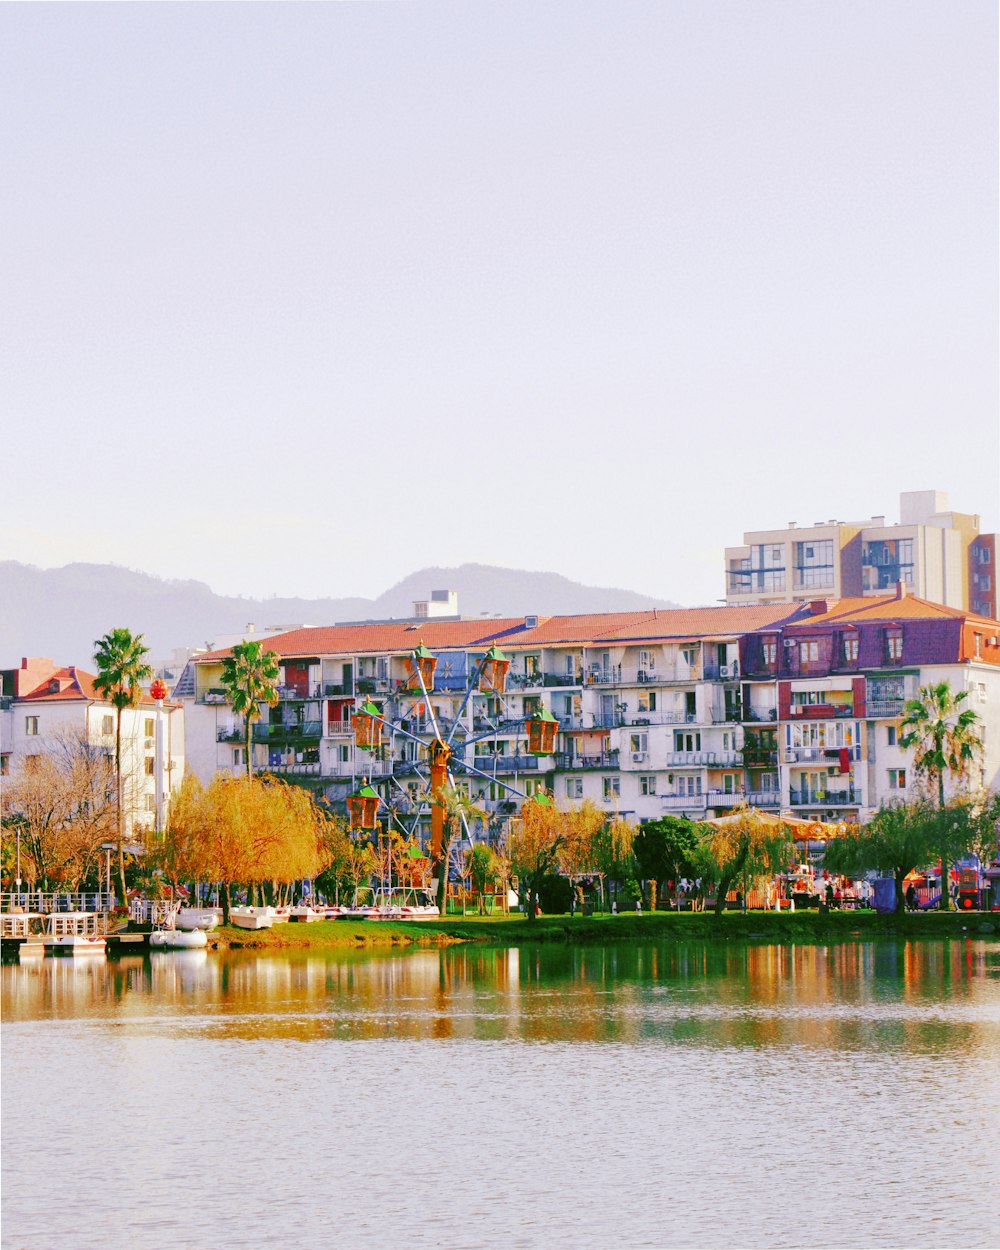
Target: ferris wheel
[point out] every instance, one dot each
(416, 753)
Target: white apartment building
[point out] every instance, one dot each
(42, 701)
(687, 712)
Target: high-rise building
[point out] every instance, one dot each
(936, 553)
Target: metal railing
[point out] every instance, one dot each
(819, 755)
(760, 714)
(331, 688)
(885, 707)
(312, 769)
(752, 798)
(274, 731)
(47, 901)
(825, 798)
(683, 802)
(576, 763)
(704, 759)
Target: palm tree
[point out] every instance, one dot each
(121, 668)
(250, 676)
(943, 738)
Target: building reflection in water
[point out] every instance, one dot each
(911, 996)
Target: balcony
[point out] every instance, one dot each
(276, 732)
(231, 733)
(339, 729)
(331, 689)
(732, 714)
(763, 714)
(682, 802)
(704, 759)
(891, 708)
(819, 755)
(821, 711)
(654, 718)
(299, 694)
(562, 679)
(846, 797)
(362, 766)
(494, 765)
(578, 763)
(291, 770)
(759, 757)
(752, 798)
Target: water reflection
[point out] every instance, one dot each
(911, 996)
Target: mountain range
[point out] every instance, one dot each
(60, 612)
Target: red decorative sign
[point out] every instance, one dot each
(158, 690)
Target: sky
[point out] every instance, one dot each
(298, 299)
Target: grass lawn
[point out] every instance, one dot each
(515, 930)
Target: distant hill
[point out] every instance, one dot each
(59, 612)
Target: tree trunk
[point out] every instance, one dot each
(225, 901)
(945, 896)
(249, 737)
(119, 788)
(442, 873)
(899, 874)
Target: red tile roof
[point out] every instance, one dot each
(398, 637)
(887, 608)
(74, 685)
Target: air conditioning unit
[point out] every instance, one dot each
(638, 757)
(789, 642)
(726, 670)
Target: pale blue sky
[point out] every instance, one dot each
(582, 287)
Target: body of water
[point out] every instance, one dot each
(672, 1095)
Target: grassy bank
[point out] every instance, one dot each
(599, 930)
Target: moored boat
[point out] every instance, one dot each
(191, 918)
(73, 933)
(252, 917)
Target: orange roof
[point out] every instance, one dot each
(73, 685)
(398, 637)
(883, 608)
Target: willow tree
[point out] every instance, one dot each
(943, 737)
(534, 844)
(594, 845)
(244, 832)
(121, 670)
(250, 675)
(746, 847)
(898, 838)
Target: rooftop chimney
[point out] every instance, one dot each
(817, 607)
(901, 590)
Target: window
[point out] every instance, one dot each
(149, 727)
(689, 787)
(237, 757)
(31, 726)
(150, 802)
(977, 644)
(814, 564)
(612, 788)
(647, 785)
(107, 726)
(574, 787)
(890, 736)
(979, 691)
(851, 648)
(897, 778)
(687, 741)
(690, 656)
(983, 555)
(770, 653)
(647, 660)
(728, 783)
(531, 666)
(150, 764)
(808, 652)
(894, 645)
(639, 742)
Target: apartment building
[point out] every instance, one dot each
(688, 712)
(43, 702)
(938, 554)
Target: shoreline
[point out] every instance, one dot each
(803, 927)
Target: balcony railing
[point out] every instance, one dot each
(338, 728)
(234, 733)
(656, 718)
(893, 708)
(576, 763)
(849, 797)
(752, 798)
(495, 764)
(304, 770)
(682, 802)
(312, 690)
(704, 759)
(760, 714)
(821, 711)
(819, 755)
(759, 757)
(277, 732)
(334, 688)
(729, 715)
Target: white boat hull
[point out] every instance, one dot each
(191, 918)
(74, 944)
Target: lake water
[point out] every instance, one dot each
(632, 1096)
